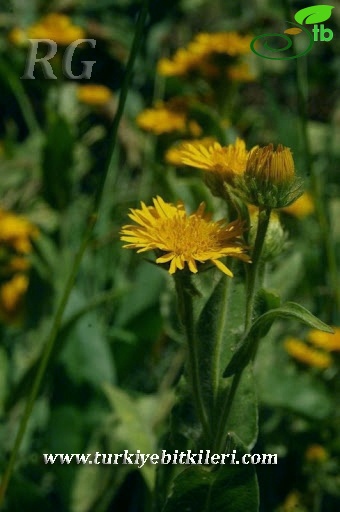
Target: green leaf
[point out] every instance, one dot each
(229, 487)
(261, 327)
(314, 14)
(288, 310)
(281, 384)
(219, 330)
(57, 162)
(3, 377)
(147, 287)
(244, 412)
(133, 429)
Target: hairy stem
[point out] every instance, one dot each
(264, 216)
(186, 313)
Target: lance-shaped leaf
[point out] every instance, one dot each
(218, 331)
(261, 327)
(227, 487)
(314, 14)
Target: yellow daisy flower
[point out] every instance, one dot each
(225, 161)
(307, 355)
(57, 27)
(94, 94)
(183, 239)
(325, 340)
(173, 155)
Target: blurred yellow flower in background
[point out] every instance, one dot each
(199, 55)
(303, 353)
(167, 118)
(184, 239)
(316, 453)
(228, 43)
(95, 95)
(240, 73)
(302, 207)
(325, 340)
(183, 62)
(16, 232)
(17, 36)
(292, 503)
(55, 26)
(12, 294)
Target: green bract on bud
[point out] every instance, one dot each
(269, 179)
(275, 239)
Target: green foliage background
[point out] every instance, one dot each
(114, 373)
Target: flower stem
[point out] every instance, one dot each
(77, 260)
(186, 313)
(263, 221)
(264, 216)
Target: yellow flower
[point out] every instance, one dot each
(16, 232)
(325, 340)
(307, 355)
(182, 63)
(58, 28)
(18, 264)
(302, 207)
(292, 503)
(173, 155)
(168, 117)
(183, 239)
(269, 165)
(269, 179)
(17, 36)
(93, 94)
(228, 43)
(240, 73)
(224, 161)
(316, 453)
(199, 55)
(11, 297)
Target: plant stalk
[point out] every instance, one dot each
(186, 313)
(264, 216)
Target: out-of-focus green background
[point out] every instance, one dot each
(110, 380)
